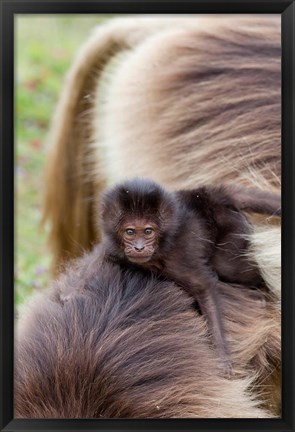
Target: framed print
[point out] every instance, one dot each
(147, 182)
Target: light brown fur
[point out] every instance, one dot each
(181, 110)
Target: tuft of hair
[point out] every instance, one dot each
(268, 258)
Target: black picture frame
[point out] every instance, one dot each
(8, 9)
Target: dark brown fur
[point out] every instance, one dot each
(109, 343)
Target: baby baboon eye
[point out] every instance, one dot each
(130, 231)
(148, 231)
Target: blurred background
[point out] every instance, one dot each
(45, 47)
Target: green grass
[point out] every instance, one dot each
(45, 47)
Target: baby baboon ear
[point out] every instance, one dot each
(109, 211)
(168, 212)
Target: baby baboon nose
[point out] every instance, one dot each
(138, 249)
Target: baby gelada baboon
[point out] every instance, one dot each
(196, 238)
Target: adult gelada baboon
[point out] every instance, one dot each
(185, 101)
